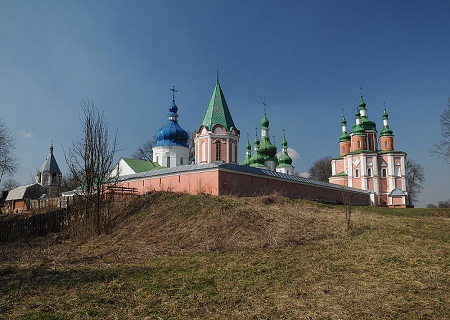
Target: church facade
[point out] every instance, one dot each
(369, 162)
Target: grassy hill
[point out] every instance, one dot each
(173, 256)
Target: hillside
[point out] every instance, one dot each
(173, 256)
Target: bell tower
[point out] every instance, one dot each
(217, 138)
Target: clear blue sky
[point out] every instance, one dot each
(307, 59)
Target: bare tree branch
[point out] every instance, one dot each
(442, 149)
(415, 179)
(8, 160)
(321, 169)
(90, 159)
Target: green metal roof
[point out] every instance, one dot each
(267, 149)
(141, 165)
(386, 131)
(256, 160)
(284, 160)
(265, 121)
(340, 174)
(217, 111)
(344, 136)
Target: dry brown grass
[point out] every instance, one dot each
(174, 256)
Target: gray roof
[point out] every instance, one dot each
(397, 193)
(50, 164)
(31, 191)
(235, 167)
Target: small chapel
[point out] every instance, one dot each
(367, 163)
(49, 175)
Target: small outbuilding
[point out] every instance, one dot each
(18, 199)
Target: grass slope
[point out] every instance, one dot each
(174, 256)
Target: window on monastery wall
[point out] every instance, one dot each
(157, 158)
(357, 172)
(359, 144)
(383, 173)
(385, 144)
(203, 151)
(233, 152)
(369, 172)
(343, 149)
(181, 160)
(398, 172)
(168, 162)
(218, 151)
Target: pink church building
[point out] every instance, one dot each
(367, 163)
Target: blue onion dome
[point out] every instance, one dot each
(172, 134)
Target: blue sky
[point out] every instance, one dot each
(306, 59)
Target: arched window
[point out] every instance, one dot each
(343, 150)
(369, 172)
(218, 151)
(359, 144)
(181, 160)
(385, 144)
(357, 172)
(168, 162)
(383, 172)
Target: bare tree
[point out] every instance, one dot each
(9, 184)
(8, 160)
(90, 160)
(414, 180)
(145, 150)
(321, 169)
(68, 182)
(442, 149)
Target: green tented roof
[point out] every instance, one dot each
(141, 165)
(217, 111)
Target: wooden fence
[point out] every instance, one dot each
(57, 203)
(17, 226)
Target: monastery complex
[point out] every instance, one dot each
(368, 170)
(363, 174)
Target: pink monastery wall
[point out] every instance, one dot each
(251, 185)
(227, 182)
(190, 183)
